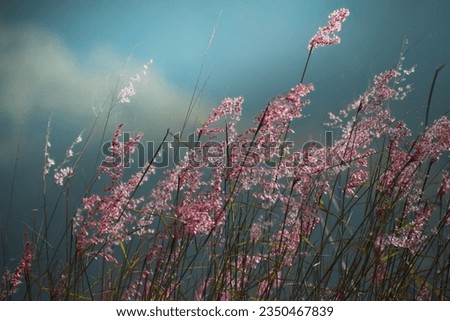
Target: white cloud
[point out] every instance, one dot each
(39, 76)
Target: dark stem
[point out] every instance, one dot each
(306, 65)
(431, 93)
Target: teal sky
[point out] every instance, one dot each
(258, 50)
(62, 58)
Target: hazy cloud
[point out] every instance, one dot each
(39, 76)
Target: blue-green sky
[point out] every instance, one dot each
(63, 57)
(72, 50)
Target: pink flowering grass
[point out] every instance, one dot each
(254, 218)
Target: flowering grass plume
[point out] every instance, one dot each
(327, 35)
(11, 281)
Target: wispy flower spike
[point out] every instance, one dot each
(327, 35)
(130, 90)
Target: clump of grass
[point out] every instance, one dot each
(246, 216)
